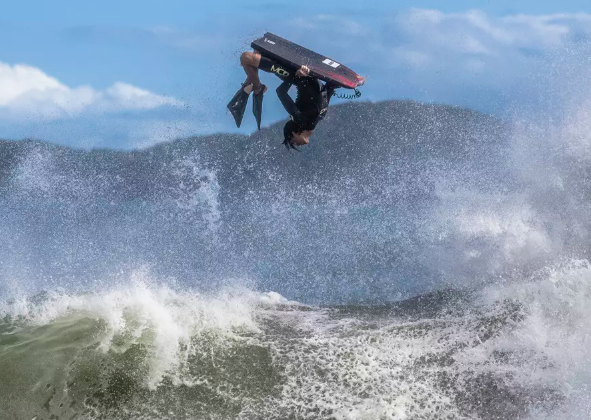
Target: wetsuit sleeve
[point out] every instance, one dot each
(286, 101)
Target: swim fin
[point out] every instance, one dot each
(237, 105)
(257, 105)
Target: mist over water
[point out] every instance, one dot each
(262, 286)
(340, 223)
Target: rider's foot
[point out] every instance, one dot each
(247, 87)
(261, 88)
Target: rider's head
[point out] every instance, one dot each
(293, 135)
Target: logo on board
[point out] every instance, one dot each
(331, 63)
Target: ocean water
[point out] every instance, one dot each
(470, 302)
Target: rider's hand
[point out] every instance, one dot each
(303, 71)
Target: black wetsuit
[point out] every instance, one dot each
(312, 99)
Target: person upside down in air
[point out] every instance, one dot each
(309, 108)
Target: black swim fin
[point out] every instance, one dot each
(237, 105)
(257, 105)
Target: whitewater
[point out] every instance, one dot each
(425, 287)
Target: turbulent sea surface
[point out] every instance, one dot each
(415, 284)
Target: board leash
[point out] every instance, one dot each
(356, 95)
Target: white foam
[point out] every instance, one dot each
(553, 343)
(274, 298)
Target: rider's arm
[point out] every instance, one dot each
(286, 101)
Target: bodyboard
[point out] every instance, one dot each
(293, 55)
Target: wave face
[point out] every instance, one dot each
(149, 352)
(432, 263)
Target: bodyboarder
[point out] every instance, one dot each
(309, 108)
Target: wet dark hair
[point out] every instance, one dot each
(289, 128)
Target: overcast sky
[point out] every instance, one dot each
(127, 74)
